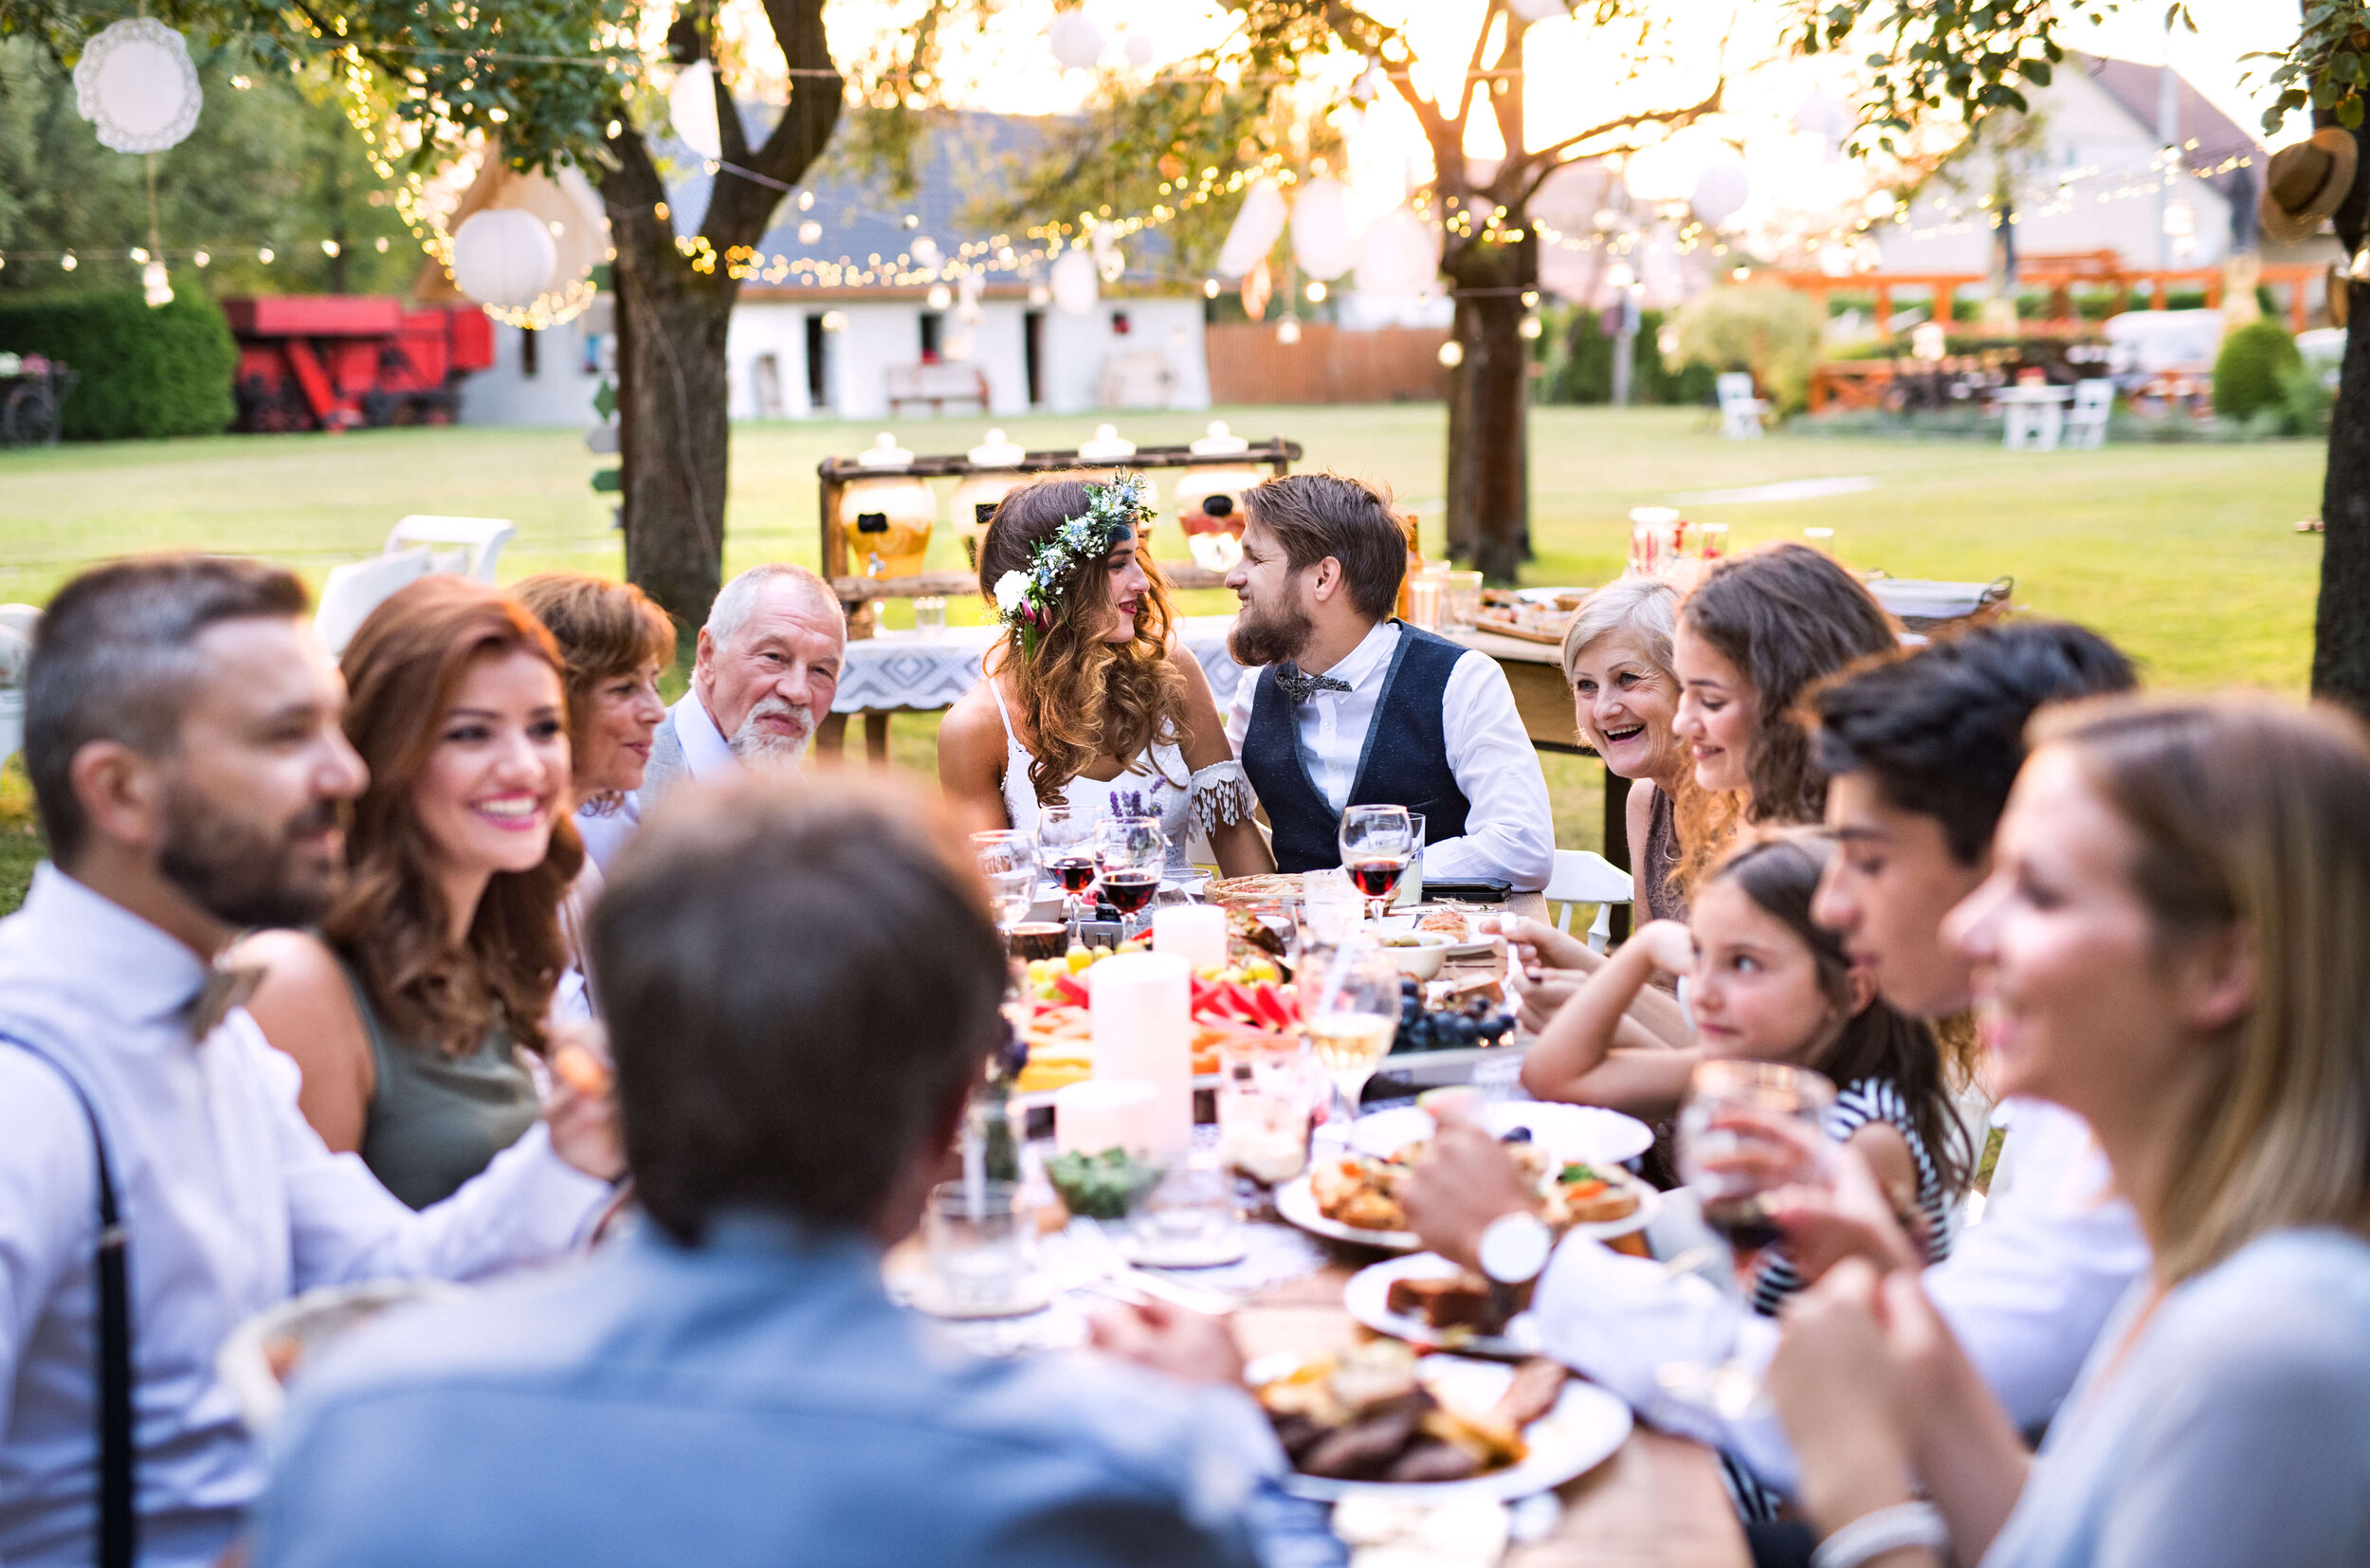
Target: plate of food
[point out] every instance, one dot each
(1376, 1418)
(1350, 1197)
(1428, 1301)
(1467, 939)
(1360, 1188)
(1584, 1134)
(1260, 892)
(265, 1354)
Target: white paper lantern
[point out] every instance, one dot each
(1720, 190)
(1140, 51)
(155, 287)
(1824, 119)
(503, 257)
(1401, 257)
(1257, 225)
(691, 109)
(1322, 242)
(1077, 43)
(1537, 11)
(1076, 286)
(135, 84)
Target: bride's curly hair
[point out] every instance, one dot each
(1081, 696)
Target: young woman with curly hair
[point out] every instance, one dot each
(409, 1008)
(1096, 708)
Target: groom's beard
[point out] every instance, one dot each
(1270, 636)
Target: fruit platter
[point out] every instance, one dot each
(1248, 997)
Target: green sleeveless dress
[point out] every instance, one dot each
(436, 1121)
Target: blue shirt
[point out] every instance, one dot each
(757, 1400)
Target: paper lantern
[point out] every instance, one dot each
(691, 109)
(1076, 286)
(1401, 257)
(1140, 51)
(1257, 226)
(1077, 43)
(503, 257)
(135, 83)
(564, 203)
(1824, 119)
(156, 288)
(1537, 11)
(1720, 190)
(1322, 242)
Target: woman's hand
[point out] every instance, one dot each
(1465, 1182)
(1850, 1219)
(582, 1110)
(1168, 1339)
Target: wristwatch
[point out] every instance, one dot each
(1514, 1248)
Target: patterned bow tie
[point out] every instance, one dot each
(1301, 687)
(226, 987)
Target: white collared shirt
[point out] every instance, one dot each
(707, 754)
(1509, 828)
(231, 1202)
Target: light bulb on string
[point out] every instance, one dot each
(200, 258)
(156, 288)
(1210, 288)
(264, 254)
(1530, 327)
(68, 263)
(1453, 353)
(1287, 331)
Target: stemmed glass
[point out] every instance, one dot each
(1009, 862)
(1749, 1131)
(1129, 852)
(1065, 848)
(1354, 1014)
(1376, 844)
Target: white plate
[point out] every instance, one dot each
(1586, 1427)
(1587, 1135)
(1401, 920)
(1368, 1296)
(1296, 1203)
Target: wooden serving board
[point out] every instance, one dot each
(1505, 626)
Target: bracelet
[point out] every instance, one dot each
(1872, 1535)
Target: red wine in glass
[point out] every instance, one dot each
(1744, 1220)
(1077, 873)
(1129, 891)
(1376, 876)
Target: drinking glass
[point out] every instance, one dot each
(981, 1243)
(1330, 907)
(1264, 1103)
(1129, 852)
(1749, 1131)
(1355, 1012)
(1065, 848)
(1009, 862)
(1376, 843)
(930, 615)
(1461, 598)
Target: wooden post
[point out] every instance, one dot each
(1885, 309)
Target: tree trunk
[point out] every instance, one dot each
(2341, 632)
(1488, 495)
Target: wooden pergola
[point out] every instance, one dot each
(2060, 274)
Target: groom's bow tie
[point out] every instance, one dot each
(1301, 687)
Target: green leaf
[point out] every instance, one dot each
(2349, 114)
(2035, 71)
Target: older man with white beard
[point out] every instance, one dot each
(768, 665)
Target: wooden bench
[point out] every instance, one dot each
(936, 385)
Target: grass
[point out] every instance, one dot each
(2185, 555)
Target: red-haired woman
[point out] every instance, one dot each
(409, 1010)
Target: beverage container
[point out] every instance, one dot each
(1461, 597)
(981, 1243)
(930, 615)
(1376, 843)
(1076, 872)
(1130, 891)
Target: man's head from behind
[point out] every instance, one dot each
(1921, 753)
(1317, 548)
(181, 717)
(769, 660)
(801, 986)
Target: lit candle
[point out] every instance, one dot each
(1138, 1005)
(1106, 1113)
(1194, 932)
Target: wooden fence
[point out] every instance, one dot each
(1330, 364)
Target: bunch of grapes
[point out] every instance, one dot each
(1451, 1029)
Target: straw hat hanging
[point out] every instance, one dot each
(2307, 184)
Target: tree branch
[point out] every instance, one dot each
(1548, 159)
(738, 209)
(1473, 66)
(1505, 92)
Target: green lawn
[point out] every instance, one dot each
(2186, 555)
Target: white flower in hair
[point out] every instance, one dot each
(1012, 592)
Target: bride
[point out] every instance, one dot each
(1087, 701)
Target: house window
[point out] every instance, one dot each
(818, 340)
(1032, 354)
(933, 333)
(530, 353)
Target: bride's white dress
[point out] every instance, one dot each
(1186, 801)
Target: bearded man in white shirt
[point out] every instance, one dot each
(183, 743)
(767, 667)
(1355, 707)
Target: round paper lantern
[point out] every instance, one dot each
(1537, 11)
(135, 82)
(1400, 258)
(1140, 51)
(1077, 43)
(691, 109)
(1076, 286)
(503, 257)
(1257, 225)
(1824, 117)
(1721, 190)
(1321, 240)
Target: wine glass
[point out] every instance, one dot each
(1749, 1131)
(1355, 1012)
(1376, 844)
(1129, 852)
(1009, 862)
(1065, 846)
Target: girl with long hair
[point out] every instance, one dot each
(410, 1009)
(2174, 942)
(1087, 702)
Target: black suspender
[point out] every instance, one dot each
(117, 1519)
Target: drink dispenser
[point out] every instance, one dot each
(1106, 454)
(1210, 500)
(976, 497)
(886, 519)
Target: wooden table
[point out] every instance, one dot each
(1657, 1503)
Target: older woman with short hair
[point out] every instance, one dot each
(1616, 656)
(616, 644)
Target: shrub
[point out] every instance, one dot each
(144, 372)
(2306, 401)
(1772, 332)
(1576, 354)
(2247, 373)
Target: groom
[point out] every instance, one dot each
(1355, 707)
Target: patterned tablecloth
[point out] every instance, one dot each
(908, 671)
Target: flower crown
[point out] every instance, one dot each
(1025, 601)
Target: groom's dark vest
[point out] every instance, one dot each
(1405, 761)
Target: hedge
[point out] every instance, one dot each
(2247, 373)
(144, 372)
(1577, 356)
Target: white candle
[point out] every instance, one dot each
(1106, 1113)
(1194, 932)
(1138, 1005)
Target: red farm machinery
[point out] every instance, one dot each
(331, 363)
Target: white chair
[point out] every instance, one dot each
(351, 592)
(17, 622)
(2085, 422)
(472, 545)
(1739, 410)
(1583, 876)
